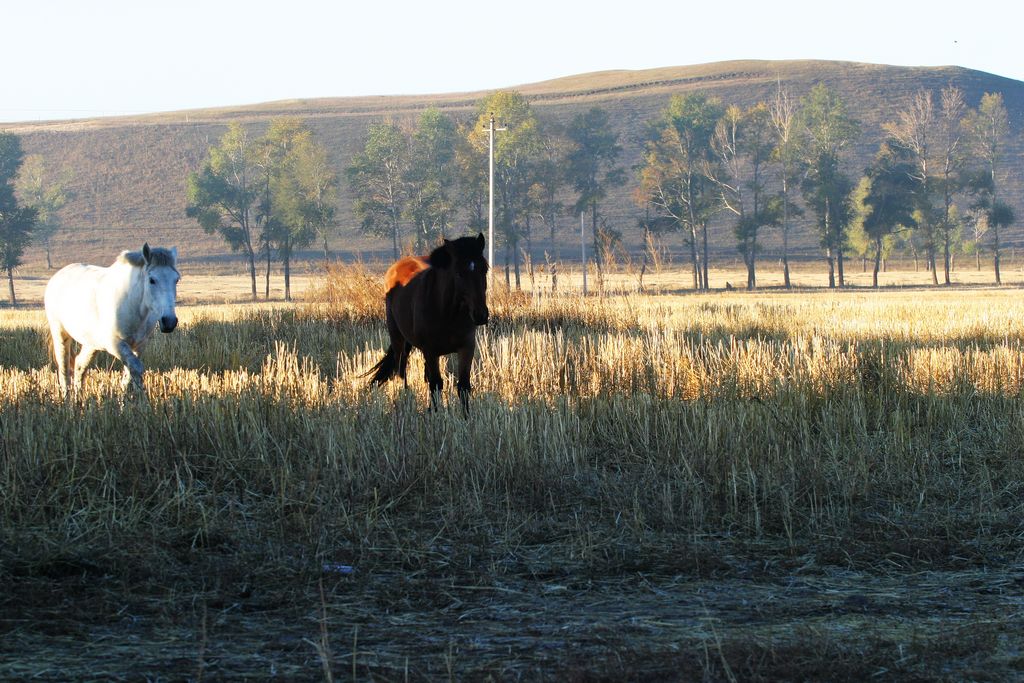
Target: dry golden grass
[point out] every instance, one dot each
(776, 485)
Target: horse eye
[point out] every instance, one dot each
(152, 280)
(472, 266)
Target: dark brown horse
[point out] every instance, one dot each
(435, 303)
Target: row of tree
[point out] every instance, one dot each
(270, 195)
(935, 176)
(932, 188)
(934, 183)
(266, 196)
(423, 176)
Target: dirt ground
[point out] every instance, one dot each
(797, 621)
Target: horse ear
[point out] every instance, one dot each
(440, 257)
(174, 254)
(146, 254)
(480, 241)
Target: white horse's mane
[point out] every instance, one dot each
(158, 256)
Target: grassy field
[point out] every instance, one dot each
(804, 485)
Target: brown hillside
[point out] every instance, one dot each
(129, 172)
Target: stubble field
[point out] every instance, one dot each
(725, 486)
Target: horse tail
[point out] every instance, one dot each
(385, 369)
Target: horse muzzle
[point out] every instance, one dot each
(168, 323)
(480, 317)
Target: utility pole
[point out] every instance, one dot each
(490, 215)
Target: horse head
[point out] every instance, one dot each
(160, 284)
(464, 260)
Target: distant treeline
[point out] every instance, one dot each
(933, 191)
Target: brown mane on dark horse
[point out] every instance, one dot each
(434, 304)
(403, 270)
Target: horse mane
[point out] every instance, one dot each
(403, 270)
(406, 268)
(158, 256)
(131, 258)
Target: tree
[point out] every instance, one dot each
(317, 184)
(517, 152)
(857, 240)
(673, 174)
(789, 157)
(301, 191)
(952, 159)
(590, 165)
(827, 131)
(988, 128)
(431, 178)
(224, 195)
(826, 191)
(545, 191)
(16, 222)
(269, 153)
(471, 178)
(913, 131)
(886, 197)
(378, 178)
(35, 188)
(931, 136)
(744, 142)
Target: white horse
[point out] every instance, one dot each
(114, 309)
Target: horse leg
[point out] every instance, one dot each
(62, 356)
(82, 361)
(132, 367)
(465, 365)
(432, 373)
(403, 360)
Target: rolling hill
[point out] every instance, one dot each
(129, 172)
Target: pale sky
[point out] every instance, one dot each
(86, 58)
